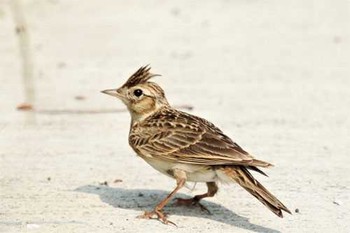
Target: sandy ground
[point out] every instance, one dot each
(274, 76)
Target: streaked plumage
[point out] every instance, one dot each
(186, 147)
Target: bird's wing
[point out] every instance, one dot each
(184, 138)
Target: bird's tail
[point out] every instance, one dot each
(243, 177)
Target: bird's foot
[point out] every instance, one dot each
(160, 216)
(191, 202)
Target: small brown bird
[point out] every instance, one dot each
(186, 147)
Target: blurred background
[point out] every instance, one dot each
(274, 75)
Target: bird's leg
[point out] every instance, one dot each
(180, 177)
(212, 190)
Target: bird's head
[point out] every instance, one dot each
(142, 97)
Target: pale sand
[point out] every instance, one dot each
(273, 75)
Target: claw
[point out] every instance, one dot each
(160, 216)
(191, 202)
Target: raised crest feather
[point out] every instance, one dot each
(142, 75)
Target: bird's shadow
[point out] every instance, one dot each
(143, 199)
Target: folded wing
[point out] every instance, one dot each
(183, 138)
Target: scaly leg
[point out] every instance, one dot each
(212, 190)
(180, 177)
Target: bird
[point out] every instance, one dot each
(186, 147)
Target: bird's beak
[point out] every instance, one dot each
(113, 92)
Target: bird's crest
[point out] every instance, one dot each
(142, 75)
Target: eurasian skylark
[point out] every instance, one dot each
(186, 147)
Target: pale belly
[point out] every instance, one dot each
(195, 173)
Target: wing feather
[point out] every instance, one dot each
(175, 136)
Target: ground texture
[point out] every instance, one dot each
(273, 75)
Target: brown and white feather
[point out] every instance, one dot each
(176, 136)
(171, 140)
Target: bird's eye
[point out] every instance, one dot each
(138, 92)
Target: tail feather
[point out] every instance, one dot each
(243, 177)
